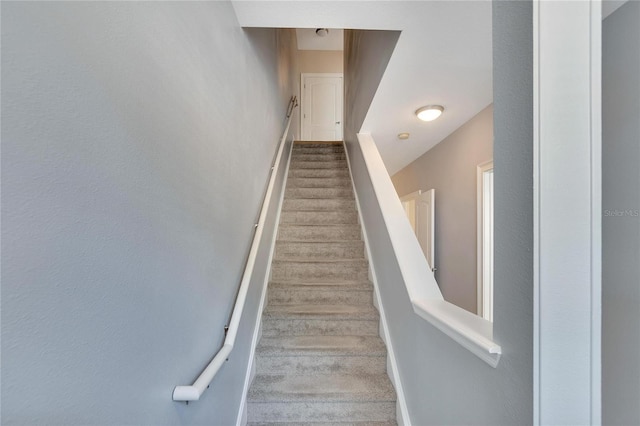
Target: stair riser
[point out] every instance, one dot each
(343, 192)
(322, 218)
(335, 164)
(333, 156)
(319, 182)
(317, 205)
(325, 297)
(309, 327)
(321, 411)
(311, 365)
(319, 173)
(318, 272)
(385, 423)
(317, 233)
(334, 250)
(318, 145)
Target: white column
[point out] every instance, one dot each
(567, 212)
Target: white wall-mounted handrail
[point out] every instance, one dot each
(469, 330)
(194, 391)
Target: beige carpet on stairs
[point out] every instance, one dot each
(320, 360)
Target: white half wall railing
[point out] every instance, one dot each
(469, 330)
(193, 392)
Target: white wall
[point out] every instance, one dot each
(443, 382)
(621, 221)
(321, 61)
(137, 139)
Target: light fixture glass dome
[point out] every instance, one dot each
(322, 32)
(430, 112)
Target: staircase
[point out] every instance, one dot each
(320, 359)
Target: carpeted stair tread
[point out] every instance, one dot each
(314, 364)
(319, 156)
(323, 312)
(297, 150)
(321, 346)
(303, 412)
(319, 173)
(313, 269)
(319, 218)
(326, 232)
(328, 388)
(318, 182)
(331, 164)
(318, 204)
(390, 423)
(304, 295)
(319, 249)
(347, 284)
(319, 192)
(315, 326)
(318, 148)
(315, 261)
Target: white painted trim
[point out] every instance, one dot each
(411, 196)
(302, 84)
(469, 330)
(402, 412)
(596, 210)
(480, 170)
(567, 212)
(241, 418)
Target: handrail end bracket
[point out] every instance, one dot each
(186, 394)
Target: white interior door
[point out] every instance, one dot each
(425, 225)
(322, 99)
(409, 205)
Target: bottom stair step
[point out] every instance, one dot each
(329, 398)
(323, 413)
(389, 423)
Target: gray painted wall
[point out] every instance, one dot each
(620, 222)
(450, 167)
(443, 382)
(137, 139)
(366, 55)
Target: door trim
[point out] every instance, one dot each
(481, 290)
(303, 76)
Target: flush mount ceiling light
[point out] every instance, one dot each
(403, 136)
(322, 32)
(430, 112)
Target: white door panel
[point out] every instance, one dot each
(420, 209)
(322, 107)
(425, 225)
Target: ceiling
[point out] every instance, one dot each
(443, 56)
(309, 40)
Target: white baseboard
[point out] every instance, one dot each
(402, 412)
(241, 418)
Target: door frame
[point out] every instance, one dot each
(305, 75)
(431, 193)
(483, 292)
